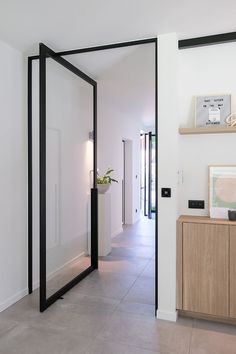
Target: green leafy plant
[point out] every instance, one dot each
(106, 178)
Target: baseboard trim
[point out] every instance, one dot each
(13, 299)
(167, 316)
(117, 232)
(55, 272)
(201, 316)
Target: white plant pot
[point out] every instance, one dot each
(103, 188)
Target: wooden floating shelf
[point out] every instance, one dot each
(210, 130)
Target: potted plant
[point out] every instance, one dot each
(104, 182)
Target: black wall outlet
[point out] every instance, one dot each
(166, 192)
(196, 204)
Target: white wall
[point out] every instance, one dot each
(123, 103)
(113, 126)
(13, 201)
(203, 70)
(182, 75)
(167, 173)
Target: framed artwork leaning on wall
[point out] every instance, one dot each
(222, 190)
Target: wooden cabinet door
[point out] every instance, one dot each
(206, 268)
(232, 299)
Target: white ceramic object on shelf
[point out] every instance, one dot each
(103, 188)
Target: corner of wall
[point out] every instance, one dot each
(167, 167)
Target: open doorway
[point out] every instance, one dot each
(123, 183)
(148, 174)
(127, 182)
(131, 255)
(126, 107)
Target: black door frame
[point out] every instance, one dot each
(153, 40)
(207, 40)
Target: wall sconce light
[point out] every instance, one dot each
(91, 135)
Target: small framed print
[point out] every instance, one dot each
(222, 190)
(212, 110)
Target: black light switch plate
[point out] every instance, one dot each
(166, 192)
(196, 204)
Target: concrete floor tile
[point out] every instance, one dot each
(39, 340)
(146, 252)
(212, 342)
(6, 326)
(147, 333)
(99, 347)
(81, 319)
(131, 240)
(149, 270)
(106, 284)
(136, 308)
(22, 311)
(122, 265)
(143, 291)
(95, 302)
(215, 326)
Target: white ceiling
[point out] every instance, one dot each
(128, 75)
(95, 63)
(66, 24)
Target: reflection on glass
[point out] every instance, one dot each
(145, 196)
(142, 172)
(153, 175)
(69, 160)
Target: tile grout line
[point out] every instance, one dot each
(190, 342)
(149, 259)
(133, 346)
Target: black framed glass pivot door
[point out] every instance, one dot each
(68, 165)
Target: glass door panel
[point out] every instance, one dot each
(68, 230)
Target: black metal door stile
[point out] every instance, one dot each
(45, 302)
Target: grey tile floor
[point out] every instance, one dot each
(111, 312)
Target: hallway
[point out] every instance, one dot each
(111, 312)
(127, 273)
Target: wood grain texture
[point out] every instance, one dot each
(233, 271)
(179, 266)
(211, 130)
(205, 220)
(206, 268)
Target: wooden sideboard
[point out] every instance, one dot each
(206, 267)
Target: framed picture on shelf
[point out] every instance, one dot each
(222, 190)
(212, 110)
